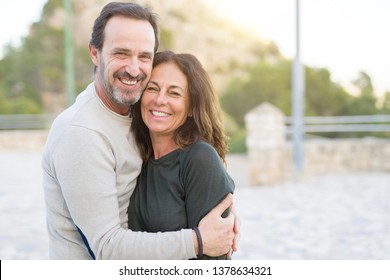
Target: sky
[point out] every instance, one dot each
(344, 36)
(16, 16)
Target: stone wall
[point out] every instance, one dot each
(23, 140)
(270, 155)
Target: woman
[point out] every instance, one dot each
(178, 130)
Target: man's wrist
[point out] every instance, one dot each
(195, 239)
(200, 242)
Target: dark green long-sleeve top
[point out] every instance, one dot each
(179, 189)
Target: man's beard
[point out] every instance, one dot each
(126, 98)
(120, 98)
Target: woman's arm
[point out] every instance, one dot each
(206, 184)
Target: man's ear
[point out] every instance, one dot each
(94, 54)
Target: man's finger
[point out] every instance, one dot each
(236, 229)
(223, 205)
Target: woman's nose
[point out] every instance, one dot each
(161, 98)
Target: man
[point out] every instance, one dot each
(90, 163)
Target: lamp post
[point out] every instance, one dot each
(298, 93)
(68, 46)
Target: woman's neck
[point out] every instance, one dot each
(163, 145)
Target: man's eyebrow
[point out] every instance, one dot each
(150, 54)
(129, 51)
(123, 50)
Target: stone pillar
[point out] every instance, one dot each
(266, 144)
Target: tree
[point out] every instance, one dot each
(365, 102)
(323, 97)
(265, 83)
(386, 103)
(272, 83)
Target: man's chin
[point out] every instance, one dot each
(126, 99)
(132, 101)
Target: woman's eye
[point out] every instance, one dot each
(174, 93)
(151, 89)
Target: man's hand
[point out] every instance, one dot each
(218, 234)
(237, 225)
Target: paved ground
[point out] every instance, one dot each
(344, 216)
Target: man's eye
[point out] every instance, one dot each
(121, 55)
(145, 58)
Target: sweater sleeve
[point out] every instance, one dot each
(85, 169)
(206, 182)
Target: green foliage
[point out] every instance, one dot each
(365, 103)
(166, 39)
(266, 82)
(237, 142)
(385, 109)
(34, 67)
(322, 96)
(263, 51)
(51, 5)
(20, 105)
(83, 68)
(272, 83)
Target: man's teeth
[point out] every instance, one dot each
(159, 114)
(129, 82)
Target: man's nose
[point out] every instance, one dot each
(132, 67)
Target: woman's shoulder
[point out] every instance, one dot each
(200, 152)
(201, 148)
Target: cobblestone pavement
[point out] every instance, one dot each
(338, 216)
(335, 217)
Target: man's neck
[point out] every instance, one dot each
(108, 102)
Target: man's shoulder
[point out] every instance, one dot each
(83, 109)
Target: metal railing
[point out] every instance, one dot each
(15, 122)
(367, 123)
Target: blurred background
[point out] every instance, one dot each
(317, 190)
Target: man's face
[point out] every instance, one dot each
(124, 63)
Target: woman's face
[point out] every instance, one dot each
(165, 101)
